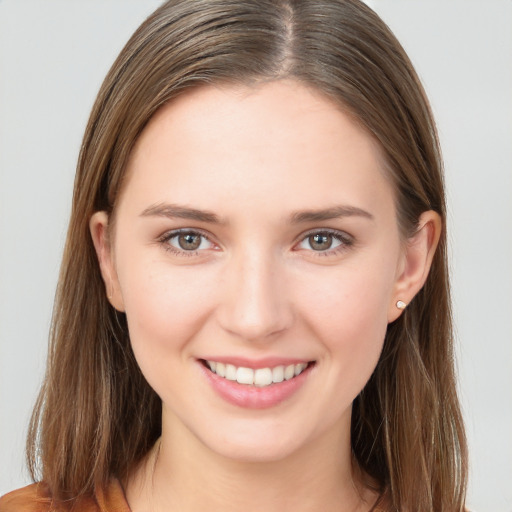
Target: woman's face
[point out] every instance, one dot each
(257, 234)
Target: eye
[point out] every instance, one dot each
(186, 241)
(325, 241)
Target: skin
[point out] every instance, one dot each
(255, 288)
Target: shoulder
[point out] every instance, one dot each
(37, 498)
(33, 498)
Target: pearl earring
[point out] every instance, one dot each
(400, 304)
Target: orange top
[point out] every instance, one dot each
(37, 498)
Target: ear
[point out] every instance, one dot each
(98, 226)
(415, 263)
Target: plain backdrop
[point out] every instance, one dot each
(53, 57)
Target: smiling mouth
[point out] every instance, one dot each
(261, 377)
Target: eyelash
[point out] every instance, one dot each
(167, 237)
(346, 241)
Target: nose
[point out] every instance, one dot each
(255, 306)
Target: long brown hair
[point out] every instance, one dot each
(96, 415)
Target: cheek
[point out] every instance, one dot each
(165, 308)
(347, 312)
(352, 296)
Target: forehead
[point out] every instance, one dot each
(278, 141)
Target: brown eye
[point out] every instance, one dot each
(324, 241)
(189, 241)
(320, 241)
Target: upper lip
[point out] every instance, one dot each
(266, 362)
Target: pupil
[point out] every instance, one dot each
(320, 242)
(189, 241)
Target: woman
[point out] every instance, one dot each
(253, 309)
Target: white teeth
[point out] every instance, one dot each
(245, 375)
(220, 369)
(278, 374)
(299, 368)
(261, 377)
(230, 372)
(289, 372)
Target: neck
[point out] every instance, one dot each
(189, 477)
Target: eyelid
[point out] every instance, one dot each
(168, 235)
(346, 240)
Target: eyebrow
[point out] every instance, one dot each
(173, 211)
(335, 212)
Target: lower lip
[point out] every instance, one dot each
(253, 397)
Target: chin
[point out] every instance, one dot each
(256, 452)
(256, 444)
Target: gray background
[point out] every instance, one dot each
(53, 56)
